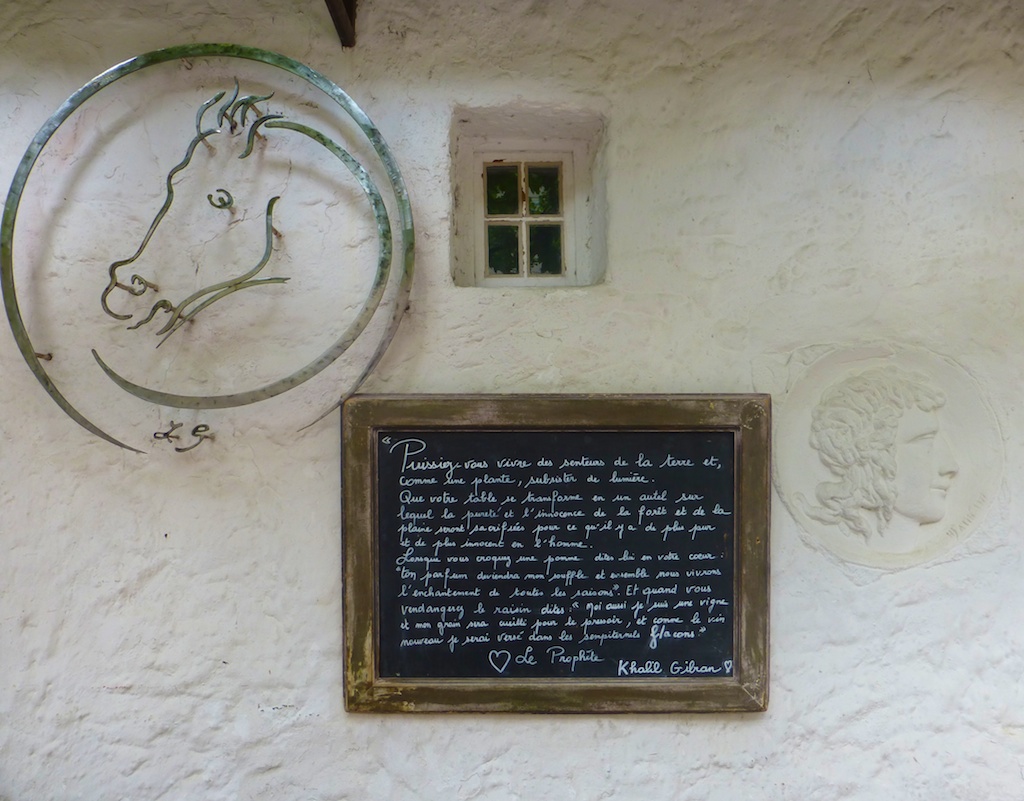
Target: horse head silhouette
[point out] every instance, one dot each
(232, 119)
(238, 119)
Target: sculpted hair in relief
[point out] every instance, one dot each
(854, 430)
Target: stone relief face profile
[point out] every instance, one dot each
(878, 434)
(887, 459)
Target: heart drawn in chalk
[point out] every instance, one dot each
(499, 660)
(727, 664)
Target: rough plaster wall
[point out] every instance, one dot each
(780, 174)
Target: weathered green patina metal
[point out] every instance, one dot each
(388, 253)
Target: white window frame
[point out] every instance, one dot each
(571, 141)
(566, 219)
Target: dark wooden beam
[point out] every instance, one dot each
(343, 13)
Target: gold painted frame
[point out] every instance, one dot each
(747, 416)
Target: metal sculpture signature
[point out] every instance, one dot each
(201, 432)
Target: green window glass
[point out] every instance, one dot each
(544, 190)
(502, 189)
(545, 250)
(503, 249)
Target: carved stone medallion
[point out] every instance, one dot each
(885, 457)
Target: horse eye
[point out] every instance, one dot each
(223, 199)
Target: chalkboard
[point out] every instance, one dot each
(542, 553)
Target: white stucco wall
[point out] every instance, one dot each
(780, 175)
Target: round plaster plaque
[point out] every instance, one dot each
(887, 457)
(201, 230)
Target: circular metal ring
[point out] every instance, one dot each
(403, 251)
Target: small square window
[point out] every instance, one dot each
(522, 219)
(526, 210)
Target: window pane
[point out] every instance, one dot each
(545, 250)
(544, 189)
(503, 189)
(503, 249)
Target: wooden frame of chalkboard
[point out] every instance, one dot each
(540, 553)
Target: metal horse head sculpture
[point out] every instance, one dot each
(233, 113)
